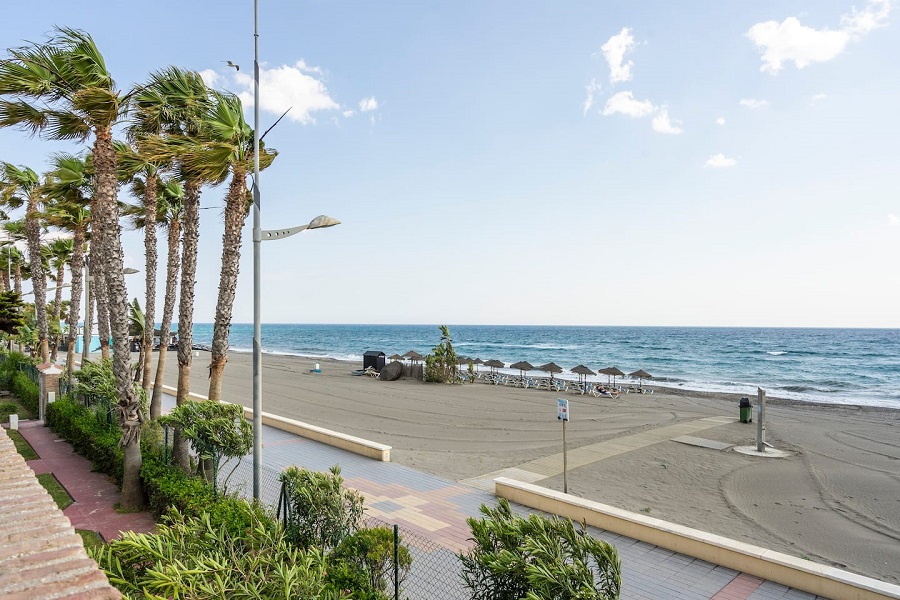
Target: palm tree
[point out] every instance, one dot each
(70, 189)
(63, 90)
(131, 164)
(176, 100)
(225, 145)
(15, 232)
(60, 253)
(168, 215)
(20, 186)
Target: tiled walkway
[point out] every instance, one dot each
(94, 494)
(436, 509)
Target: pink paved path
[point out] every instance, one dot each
(94, 493)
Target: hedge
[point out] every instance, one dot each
(164, 485)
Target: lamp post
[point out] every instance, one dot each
(258, 237)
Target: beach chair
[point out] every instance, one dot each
(371, 372)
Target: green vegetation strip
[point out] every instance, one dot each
(57, 491)
(22, 445)
(91, 539)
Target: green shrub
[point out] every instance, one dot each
(364, 562)
(6, 409)
(441, 364)
(538, 557)
(192, 557)
(89, 436)
(26, 391)
(320, 512)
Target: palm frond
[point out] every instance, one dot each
(20, 114)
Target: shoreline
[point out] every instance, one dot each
(651, 383)
(835, 499)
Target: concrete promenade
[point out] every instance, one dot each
(436, 510)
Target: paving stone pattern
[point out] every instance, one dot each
(435, 509)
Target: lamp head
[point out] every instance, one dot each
(130, 271)
(323, 221)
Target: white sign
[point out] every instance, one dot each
(562, 409)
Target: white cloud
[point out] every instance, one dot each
(790, 41)
(753, 103)
(860, 22)
(368, 104)
(720, 121)
(209, 77)
(348, 113)
(297, 87)
(893, 220)
(624, 103)
(614, 50)
(662, 123)
(818, 98)
(592, 88)
(718, 161)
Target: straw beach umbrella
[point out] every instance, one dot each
(550, 367)
(612, 371)
(641, 375)
(477, 362)
(582, 372)
(494, 364)
(395, 358)
(522, 366)
(413, 356)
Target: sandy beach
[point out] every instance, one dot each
(834, 500)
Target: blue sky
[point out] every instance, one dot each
(608, 163)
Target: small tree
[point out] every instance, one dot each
(364, 561)
(537, 557)
(440, 365)
(217, 432)
(318, 510)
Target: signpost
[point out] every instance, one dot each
(562, 413)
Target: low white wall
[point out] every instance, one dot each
(805, 575)
(337, 439)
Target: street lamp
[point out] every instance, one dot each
(258, 236)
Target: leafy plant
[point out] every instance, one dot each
(537, 558)
(217, 432)
(440, 365)
(364, 561)
(191, 557)
(318, 510)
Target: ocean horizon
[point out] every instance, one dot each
(831, 365)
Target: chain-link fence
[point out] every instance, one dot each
(432, 574)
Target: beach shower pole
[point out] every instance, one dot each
(760, 420)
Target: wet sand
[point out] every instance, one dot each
(835, 499)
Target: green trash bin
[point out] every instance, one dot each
(746, 411)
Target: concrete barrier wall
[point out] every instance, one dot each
(343, 441)
(805, 575)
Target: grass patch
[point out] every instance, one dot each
(10, 405)
(57, 491)
(22, 445)
(91, 539)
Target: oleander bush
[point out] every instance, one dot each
(193, 557)
(364, 562)
(538, 557)
(319, 510)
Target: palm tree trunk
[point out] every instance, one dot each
(235, 214)
(101, 296)
(57, 307)
(89, 316)
(128, 408)
(150, 298)
(166, 324)
(186, 308)
(33, 229)
(75, 302)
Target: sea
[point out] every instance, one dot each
(839, 366)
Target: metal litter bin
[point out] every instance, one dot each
(746, 411)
